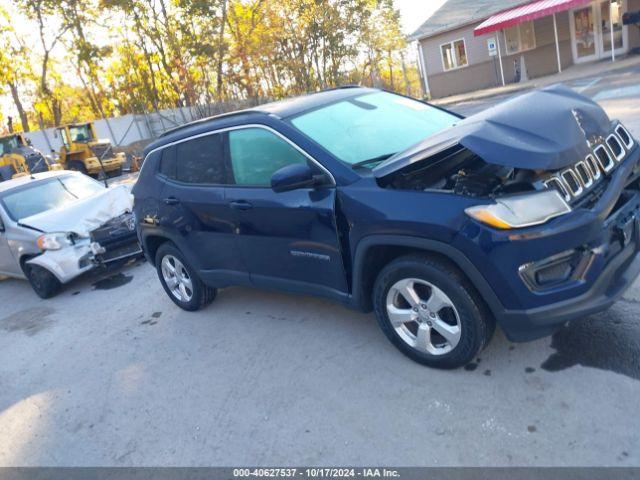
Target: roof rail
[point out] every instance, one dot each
(206, 119)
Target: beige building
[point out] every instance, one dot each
(470, 45)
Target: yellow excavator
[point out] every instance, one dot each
(82, 151)
(18, 158)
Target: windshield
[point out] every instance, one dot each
(81, 133)
(369, 128)
(48, 194)
(8, 144)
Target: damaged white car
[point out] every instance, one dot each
(55, 226)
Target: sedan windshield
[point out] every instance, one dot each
(48, 194)
(367, 129)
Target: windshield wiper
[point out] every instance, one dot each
(371, 161)
(67, 190)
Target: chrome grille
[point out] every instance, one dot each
(605, 159)
(584, 173)
(616, 147)
(594, 167)
(575, 181)
(626, 138)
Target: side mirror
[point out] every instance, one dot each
(292, 177)
(29, 142)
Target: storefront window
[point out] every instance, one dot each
(520, 38)
(454, 55)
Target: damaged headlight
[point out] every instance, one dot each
(520, 211)
(54, 241)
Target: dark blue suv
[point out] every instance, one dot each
(525, 214)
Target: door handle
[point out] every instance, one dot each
(171, 201)
(240, 205)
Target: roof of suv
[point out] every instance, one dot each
(280, 109)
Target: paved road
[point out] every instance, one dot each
(618, 92)
(111, 373)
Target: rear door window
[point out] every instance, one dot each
(201, 160)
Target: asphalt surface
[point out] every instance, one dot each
(111, 373)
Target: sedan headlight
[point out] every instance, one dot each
(519, 211)
(54, 241)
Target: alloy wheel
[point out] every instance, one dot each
(423, 316)
(177, 278)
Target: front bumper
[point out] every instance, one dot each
(109, 164)
(71, 262)
(613, 281)
(608, 234)
(66, 263)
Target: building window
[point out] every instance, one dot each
(520, 38)
(454, 55)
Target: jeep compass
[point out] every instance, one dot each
(524, 215)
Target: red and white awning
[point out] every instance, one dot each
(523, 13)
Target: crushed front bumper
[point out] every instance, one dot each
(67, 263)
(71, 262)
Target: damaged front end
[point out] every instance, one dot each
(552, 147)
(92, 232)
(115, 240)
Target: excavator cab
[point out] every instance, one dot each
(82, 151)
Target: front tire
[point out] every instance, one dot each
(43, 282)
(430, 312)
(181, 281)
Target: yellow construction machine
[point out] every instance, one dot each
(82, 151)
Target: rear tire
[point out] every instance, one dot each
(43, 282)
(429, 310)
(180, 280)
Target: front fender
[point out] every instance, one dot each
(426, 245)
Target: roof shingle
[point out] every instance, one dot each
(455, 13)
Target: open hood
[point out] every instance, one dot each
(85, 215)
(546, 129)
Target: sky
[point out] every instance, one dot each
(415, 12)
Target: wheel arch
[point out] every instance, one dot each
(375, 251)
(151, 244)
(35, 259)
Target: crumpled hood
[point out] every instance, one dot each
(85, 215)
(546, 129)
